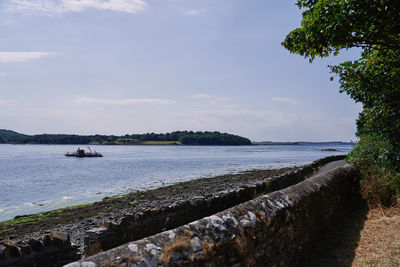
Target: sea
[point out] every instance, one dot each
(37, 178)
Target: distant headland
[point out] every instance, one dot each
(173, 138)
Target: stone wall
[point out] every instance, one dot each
(275, 229)
(152, 221)
(50, 250)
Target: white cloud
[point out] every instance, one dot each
(122, 102)
(284, 100)
(194, 12)
(218, 101)
(22, 56)
(202, 96)
(212, 100)
(63, 6)
(2, 74)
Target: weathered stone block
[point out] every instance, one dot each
(2, 252)
(59, 240)
(25, 248)
(36, 245)
(12, 248)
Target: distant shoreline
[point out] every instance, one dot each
(177, 138)
(173, 138)
(271, 143)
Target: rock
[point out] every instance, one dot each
(22, 216)
(133, 248)
(329, 149)
(11, 248)
(245, 223)
(2, 252)
(253, 218)
(230, 221)
(59, 240)
(196, 244)
(46, 240)
(25, 248)
(36, 245)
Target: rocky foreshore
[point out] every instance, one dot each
(76, 221)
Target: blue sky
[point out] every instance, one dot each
(135, 66)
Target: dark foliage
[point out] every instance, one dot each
(374, 80)
(185, 137)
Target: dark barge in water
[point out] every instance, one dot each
(80, 153)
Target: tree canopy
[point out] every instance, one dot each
(328, 26)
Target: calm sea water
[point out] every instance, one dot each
(36, 178)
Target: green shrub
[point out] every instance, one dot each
(380, 176)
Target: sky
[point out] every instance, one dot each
(137, 66)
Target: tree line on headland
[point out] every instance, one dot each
(173, 138)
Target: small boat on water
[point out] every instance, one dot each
(80, 153)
